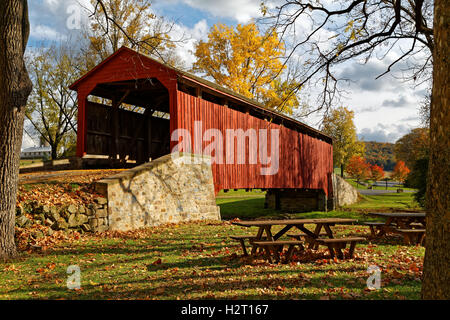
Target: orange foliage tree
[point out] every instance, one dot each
(376, 172)
(358, 168)
(401, 171)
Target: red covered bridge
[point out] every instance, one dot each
(131, 107)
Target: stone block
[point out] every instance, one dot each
(101, 200)
(162, 191)
(101, 229)
(93, 222)
(101, 213)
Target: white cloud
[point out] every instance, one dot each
(384, 133)
(384, 109)
(185, 48)
(43, 32)
(240, 10)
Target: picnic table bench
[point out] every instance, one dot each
(335, 246)
(272, 246)
(410, 225)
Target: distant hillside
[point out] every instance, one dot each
(381, 154)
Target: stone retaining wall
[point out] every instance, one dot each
(174, 188)
(83, 218)
(344, 192)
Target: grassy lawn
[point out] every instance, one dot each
(234, 204)
(388, 201)
(199, 261)
(26, 162)
(358, 186)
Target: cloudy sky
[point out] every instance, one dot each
(385, 109)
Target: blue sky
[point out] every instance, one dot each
(385, 109)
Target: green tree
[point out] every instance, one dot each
(52, 107)
(339, 125)
(413, 146)
(417, 179)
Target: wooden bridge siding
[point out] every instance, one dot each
(304, 161)
(123, 66)
(99, 138)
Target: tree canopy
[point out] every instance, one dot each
(117, 23)
(52, 106)
(413, 146)
(400, 172)
(358, 168)
(248, 62)
(339, 125)
(333, 33)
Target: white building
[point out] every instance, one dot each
(36, 153)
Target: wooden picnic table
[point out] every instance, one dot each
(408, 224)
(270, 242)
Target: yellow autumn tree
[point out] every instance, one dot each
(248, 62)
(339, 125)
(127, 23)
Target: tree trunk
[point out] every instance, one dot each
(54, 153)
(342, 170)
(15, 86)
(436, 277)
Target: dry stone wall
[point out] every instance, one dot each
(82, 218)
(174, 188)
(344, 193)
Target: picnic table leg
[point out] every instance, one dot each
(268, 233)
(338, 248)
(376, 232)
(422, 238)
(382, 230)
(406, 239)
(313, 244)
(258, 237)
(329, 232)
(276, 249)
(243, 247)
(331, 249)
(310, 237)
(267, 254)
(276, 252)
(289, 253)
(271, 251)
(372, 232)
(352, 249)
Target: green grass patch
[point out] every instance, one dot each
(199, 261)
(26, 162)
(353, 183)
(387, 201)
(250, 205)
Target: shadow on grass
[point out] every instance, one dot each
(266, 283)
(253, 208)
